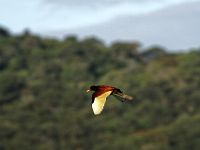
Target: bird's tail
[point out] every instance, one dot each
(122, 96)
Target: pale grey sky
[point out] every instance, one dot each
(140, 20)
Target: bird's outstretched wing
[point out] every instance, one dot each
(98, 101)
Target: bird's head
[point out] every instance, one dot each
(92, 88)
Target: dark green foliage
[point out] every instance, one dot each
(4, 32)
(44, 106)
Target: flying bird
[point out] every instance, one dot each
(101, 92)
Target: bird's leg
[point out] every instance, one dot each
(119, 98)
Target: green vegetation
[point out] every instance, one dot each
(44, 106)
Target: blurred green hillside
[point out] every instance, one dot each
(44, 106)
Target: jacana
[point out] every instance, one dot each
(101, 92)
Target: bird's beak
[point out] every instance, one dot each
(88, 90)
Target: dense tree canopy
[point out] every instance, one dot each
(43, 104)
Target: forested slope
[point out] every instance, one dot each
(44, 106)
